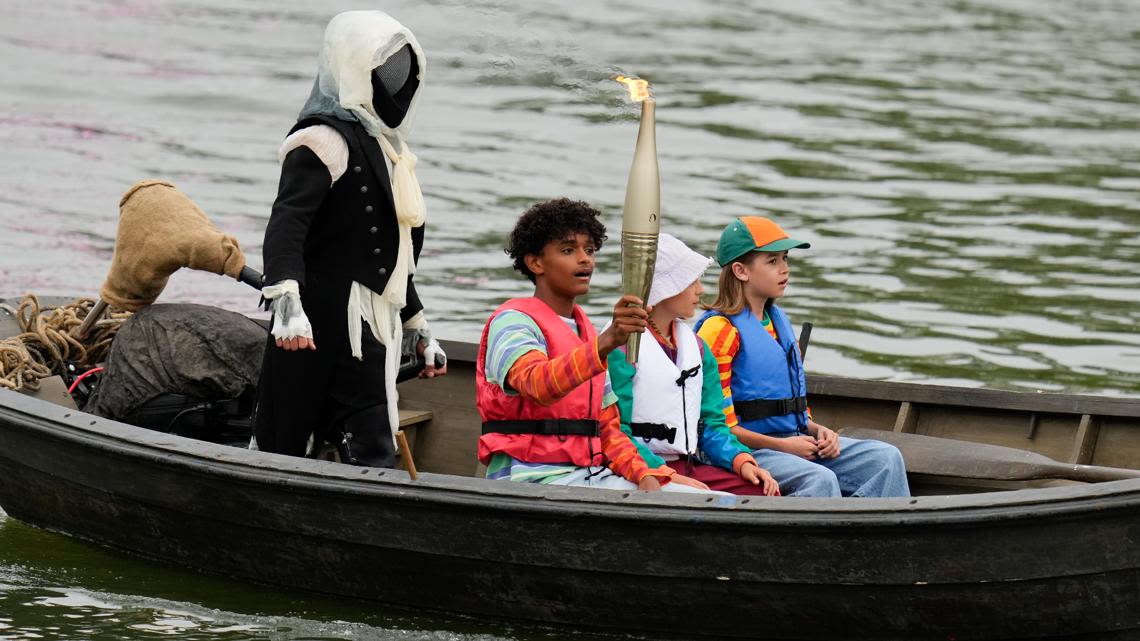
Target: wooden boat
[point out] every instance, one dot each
(970, 562)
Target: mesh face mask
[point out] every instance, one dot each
(393, 74)
(393, 86)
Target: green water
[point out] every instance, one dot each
(53, 587)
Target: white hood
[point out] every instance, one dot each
(356, 42)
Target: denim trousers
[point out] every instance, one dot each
(865, 468)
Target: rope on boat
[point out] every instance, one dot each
(46, 346)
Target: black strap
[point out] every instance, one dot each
(545, 427)
(764, 408)
(687, 374)
(653, 430)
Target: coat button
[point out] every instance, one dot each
(376, 251)
(368, 209)
(364, 189)
(356, 169)
(382, 271)
(373, 230)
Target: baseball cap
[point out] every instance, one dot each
(753, 233)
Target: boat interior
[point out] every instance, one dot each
(954, 440)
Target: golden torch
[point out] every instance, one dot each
(641, 220)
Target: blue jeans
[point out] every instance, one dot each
(864, 468)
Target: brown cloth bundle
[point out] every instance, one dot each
(160, 231)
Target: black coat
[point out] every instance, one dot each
(325, 239)
(348, 232)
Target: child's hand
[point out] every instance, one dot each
(828, 442)
(802, 446)
(629, 318)
(757, 475)
(649, 483)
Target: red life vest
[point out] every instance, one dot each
(583, 402)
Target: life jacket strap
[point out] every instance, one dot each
(653, 430)
(544, 427)
(687, 374)
(763, 408)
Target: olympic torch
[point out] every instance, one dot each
(641, 219)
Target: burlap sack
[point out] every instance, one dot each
(160, 231)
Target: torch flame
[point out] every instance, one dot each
(638, 88)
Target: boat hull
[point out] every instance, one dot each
(1027, 564)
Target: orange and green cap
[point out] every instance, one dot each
(753, 233)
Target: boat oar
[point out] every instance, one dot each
(406, 454)
(963, 459)
(805, 337)
(161, 231)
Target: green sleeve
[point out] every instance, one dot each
(717, 441)
(621, 377)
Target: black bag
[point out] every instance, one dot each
(218, 421)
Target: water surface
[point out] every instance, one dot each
(967, 172)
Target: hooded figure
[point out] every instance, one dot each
(341, 249)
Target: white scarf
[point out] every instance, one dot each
(356, 42)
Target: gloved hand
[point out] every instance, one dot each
(435, 361)
(291, 326)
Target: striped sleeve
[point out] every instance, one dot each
(546, 380)
(623, 456)
(724, 342)
(512, 334)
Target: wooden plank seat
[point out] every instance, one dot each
(949, 458)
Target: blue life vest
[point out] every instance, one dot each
(764, 369)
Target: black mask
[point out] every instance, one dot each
(394, 83)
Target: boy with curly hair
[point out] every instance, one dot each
(549, 412)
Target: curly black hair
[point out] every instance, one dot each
(549, 221)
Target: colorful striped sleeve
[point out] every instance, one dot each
(623, 456)
(512, 334)
(546, 380)
(724, 341)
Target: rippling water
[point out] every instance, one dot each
(56, 589)
(968, 172)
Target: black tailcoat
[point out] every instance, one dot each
(325, 239)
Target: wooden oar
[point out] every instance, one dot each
(406, 454)
(963, 459)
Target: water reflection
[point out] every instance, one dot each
(77, 591)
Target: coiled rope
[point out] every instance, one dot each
(46, 346)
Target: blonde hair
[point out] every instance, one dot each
(730, 297)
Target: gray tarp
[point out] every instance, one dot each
(196, 350)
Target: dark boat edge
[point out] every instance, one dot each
(55, 422)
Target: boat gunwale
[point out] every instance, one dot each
(324, 477)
